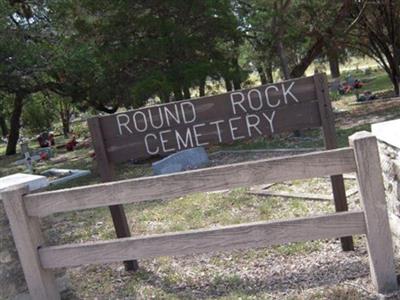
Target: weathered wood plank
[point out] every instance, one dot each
(224, 118)
(379, 239)
(204, 132)
(107, 173)
(203, 180)
(243, 236)
(330, 140)
(28, 238)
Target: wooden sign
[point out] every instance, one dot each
(222, 119)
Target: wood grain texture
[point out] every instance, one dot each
(330, 140)
(203, 180)
(104, 167)
(107, 173)
(245, 236)
(287, 118)
(372, 193)
(28, 238)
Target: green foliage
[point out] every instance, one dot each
(122, 53)
(39, 114)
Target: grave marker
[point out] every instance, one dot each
(188, 159)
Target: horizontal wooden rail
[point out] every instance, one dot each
(301, 166)
(242, 236)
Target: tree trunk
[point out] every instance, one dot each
(237, 84)
(228, 85)
(3, 126)
(65, 124)
(270, 76)
(202, 88)
(186, 92)
(333, 58)
(397, 91)
(396, 84)
(261, 73)
(178, 93)
(310, 56)
(283, 60)
(165, 97)
(15, 124)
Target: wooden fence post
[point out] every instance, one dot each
(106, 170)
(330, 140)
(379, 238)
(28, 238)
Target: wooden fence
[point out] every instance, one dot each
(37, 259)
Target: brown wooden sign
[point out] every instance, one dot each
(225, 118)
(235, 116)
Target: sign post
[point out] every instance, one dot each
(222, 119)
(330, 140)
(106, 170)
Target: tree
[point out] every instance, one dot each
(4, 114)
(295, 32)
(131, 51)
(38, 114)
(377, 35)
(24, 57)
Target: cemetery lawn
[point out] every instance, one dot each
(309, 270)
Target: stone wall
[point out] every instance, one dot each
(390, 158)
(388, 134)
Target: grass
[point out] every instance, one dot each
(233, 275)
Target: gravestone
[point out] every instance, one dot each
(25, 149)
(388, 135)
(181, 161)
(34, 182)
(64, 175)
(335, 85)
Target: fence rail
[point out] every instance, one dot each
(37, 259)
(243, 236)
(245, 174)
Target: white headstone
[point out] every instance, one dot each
(34, 182)
(388, 132)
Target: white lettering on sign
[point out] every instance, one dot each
(253, 101)
(237, 102)
(185, 112)
(188, 142)
(160, 117)
(258, 99)
(164, 141)
(146, 143)
(136, 121)
(171, 140)
(254, 125)
(286, 92)
(177, 126)
(270, 120)
(234, 128)
(170, 115)
(123, 124)
(197, 134)
(267, 97)
(216, 123)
